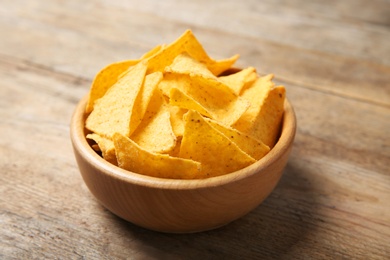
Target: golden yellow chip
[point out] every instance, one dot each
(155, 134)
(203, 143)
(170, 81)
(268, 122)
(185, 64)
(193, 47)
(195, 87)
(188, 43)
(166, 55)
(197, 71)
(207, 100)
(112, 113)
(220, 66)
(143, 99)
(180, 99)
(249, 145)
(177, 120)
(255, 94)
(262, 120)
(133, 158)
(237, 81)
(105, 79)
(106, 147)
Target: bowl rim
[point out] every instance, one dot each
(79, 142)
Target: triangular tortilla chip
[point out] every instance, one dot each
(197, 88)
(143, 98)
(136, 159)
(220, 66)
(237, 81)
(185, 65)
(203, 97)
(107, 77)
(188, 43)
(177, 120)
(112, 113)
(255, 94)
(267, 124)
(155, 132)
(203, 143)
(262, 121)
(249, 145)
(180, 99)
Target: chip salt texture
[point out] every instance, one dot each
(143, 98)
(112, 113)
(187, 43)
(262, 120)
(202, 89)
(268, 122)
(133, 158)
(105, 79)
(251, 146)
(205, 144)
(156, 134)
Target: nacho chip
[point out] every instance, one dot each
(177, 120)
(255, 94)
(207, 100)
(220, 66)
(197, 71)
(166, 55)
(143, 98)
(249, 145)
(217, 153)
(180, 99)
(267, 124)
(136, 159)
(197, 88)
(112, 113)
(262, 121)
(107, 77)
(106, 146)
(187, 42)
(195, 49)
(155, 134)
(185, 64)
(237, 81)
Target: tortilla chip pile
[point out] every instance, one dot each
(174, 113)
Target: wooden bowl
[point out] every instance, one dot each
(180, 206)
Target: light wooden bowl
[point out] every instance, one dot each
(180, 206)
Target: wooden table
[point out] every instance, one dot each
(333, 201)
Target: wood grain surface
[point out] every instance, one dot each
(334, 59)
